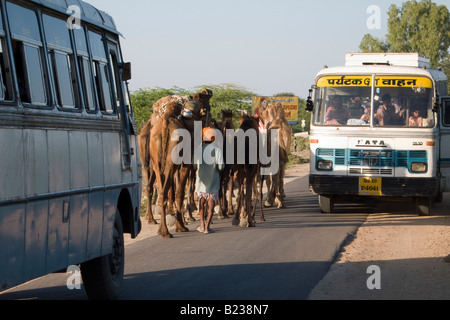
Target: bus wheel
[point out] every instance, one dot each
(439, 197)
(103, 277)
(423, 206)
(326, 203)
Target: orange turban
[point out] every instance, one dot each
(208, 134)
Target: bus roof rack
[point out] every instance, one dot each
(88, 12)
(390, 59)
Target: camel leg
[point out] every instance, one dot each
(190, 198)
(163, 230)
(278, 196)
(239, 200)
(239, 206)
(261, 181)
(179, 198)
(192, 190)
(249, 200)
(283, 172)
(149, 215)
(270, 191)
(223, 203)
(230, 196)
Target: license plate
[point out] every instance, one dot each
(370, 186)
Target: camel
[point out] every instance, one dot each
(159, 110)
(170, 114)
(273, 118)
(160, 148)
(248, 175)
(227, 175)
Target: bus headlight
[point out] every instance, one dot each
(325, 165)
(419, 167)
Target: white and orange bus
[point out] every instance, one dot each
(380, 128)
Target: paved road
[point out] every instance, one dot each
(281, 259)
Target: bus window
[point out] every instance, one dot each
(397, 101)
(446, 112)
(62, 66)
(61, 55)
(5, 75)
(85, 69)
(27, 51)
(101, 73)
(116, 83)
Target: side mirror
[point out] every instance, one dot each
(309, 102)
(126, 71)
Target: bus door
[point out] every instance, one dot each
(445, 142)
(122, 106)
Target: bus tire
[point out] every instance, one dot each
(326, 203)
(439, 197)
(423, 206)
(103, 277)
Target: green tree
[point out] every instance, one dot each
(420, 27)
(229, 96)
(143, 100)
(416, 26)
(372, 44)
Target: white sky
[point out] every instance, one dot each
(266, 46)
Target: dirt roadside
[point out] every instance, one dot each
(412, 254)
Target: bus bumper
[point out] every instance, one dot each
(391, 187)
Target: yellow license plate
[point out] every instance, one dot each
(370, 186)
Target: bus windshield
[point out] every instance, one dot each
(393, 101)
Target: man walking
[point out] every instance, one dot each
(208, 178)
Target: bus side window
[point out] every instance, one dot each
(30, 73)
(5, 69)
(61, 61)
(5, 74)
(101, 72)
(446, 111)
(84, 63)
(27, 51)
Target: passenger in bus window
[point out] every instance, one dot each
(400, 113)
(336, 113)
(385, 111)
(390, 114)
(416, 120)
(366, 110)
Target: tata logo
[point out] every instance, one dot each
(371, 143)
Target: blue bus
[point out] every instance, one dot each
(70, 173)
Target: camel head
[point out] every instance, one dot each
(192, 111)
(279, 111)
(204, 97)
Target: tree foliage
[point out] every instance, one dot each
(420, 27)
(417, 26)
(372, 44)
(144, 99)
(229, 96)
(226, 96)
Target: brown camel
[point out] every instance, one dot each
(247, 177)
(274, 118)
(161, 146)
(227, 175)
(171, 113)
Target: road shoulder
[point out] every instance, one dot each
(408, 253)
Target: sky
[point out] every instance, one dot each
(265, 46)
